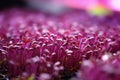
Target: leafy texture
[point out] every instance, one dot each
(75, 45)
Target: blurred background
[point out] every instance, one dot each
(97, 7)
(4, 4)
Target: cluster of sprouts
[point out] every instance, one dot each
(73, 46)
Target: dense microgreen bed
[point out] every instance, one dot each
(71, 46)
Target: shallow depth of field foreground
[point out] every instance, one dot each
(72, 46)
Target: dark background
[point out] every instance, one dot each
(4, 4)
